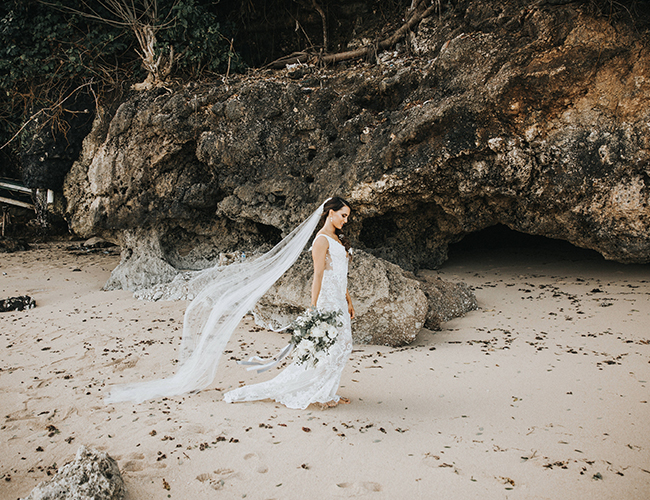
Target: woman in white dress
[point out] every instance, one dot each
(227, 293)
(298, 386)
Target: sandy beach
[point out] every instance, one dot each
(542, 393)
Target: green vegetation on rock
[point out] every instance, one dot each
(50, 49)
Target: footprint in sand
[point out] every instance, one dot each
(431, 460)
(218, 478)
(359, 488)
(122, 364)
(254, 461)
(434, 461)
(193, 429)
(134, 463)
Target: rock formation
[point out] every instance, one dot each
(446, 301)
(9, 245)
(391, 305)
(93, 475)
(529, 114)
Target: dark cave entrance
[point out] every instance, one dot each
(502, 238)
(377, 231)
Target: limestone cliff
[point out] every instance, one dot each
(531, 115)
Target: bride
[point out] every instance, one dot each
(228, 293)
(297, 386)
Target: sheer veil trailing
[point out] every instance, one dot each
(213, 315)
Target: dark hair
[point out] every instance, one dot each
(335, 203)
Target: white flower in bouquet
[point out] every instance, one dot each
(306, 345)
(318, 331)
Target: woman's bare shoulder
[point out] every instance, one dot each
(321, 242)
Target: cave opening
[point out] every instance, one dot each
(376, 231)
(501, 238)
(270, 234)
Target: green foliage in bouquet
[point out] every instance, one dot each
(313, 334)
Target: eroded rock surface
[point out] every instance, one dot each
(93, 475)
(529, 114)
(447, 301)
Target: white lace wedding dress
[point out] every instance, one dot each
(297, 386)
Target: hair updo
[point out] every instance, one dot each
(335, 203)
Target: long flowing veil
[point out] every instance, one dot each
(212, 317)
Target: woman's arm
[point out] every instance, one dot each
(350, 306)
(318, 253)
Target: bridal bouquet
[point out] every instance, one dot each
(313, 334)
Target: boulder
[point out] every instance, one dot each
(142, 263)
(186, 285)
(9, 245)
(21, 303)
(447, 301)
(93, 475)
(391, 305)
(96, 242)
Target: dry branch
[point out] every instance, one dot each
(55, 106)
(324, 21)
(144, 24)
(416, 14)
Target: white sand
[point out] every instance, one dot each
(541, 394)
